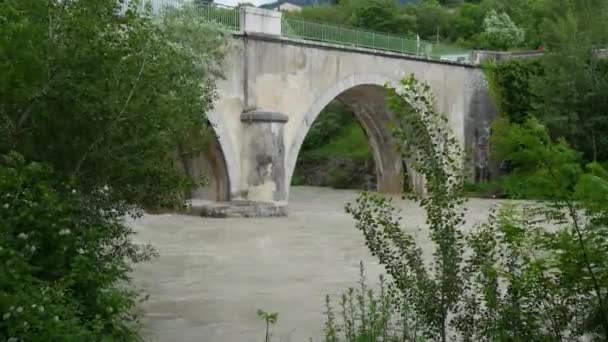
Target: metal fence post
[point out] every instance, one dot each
(322, 33)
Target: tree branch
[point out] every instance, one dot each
(124, 108)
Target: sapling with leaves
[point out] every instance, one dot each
(426, 141)
(269, 318)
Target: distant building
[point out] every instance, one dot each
(288, 7)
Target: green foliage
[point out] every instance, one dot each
(570, 95)
(335, 153)
(468, 23)
(329, 14)
(435, 154)
(368, 315)
(349, 142)
(269, 318)
(565, 88)
(97, 104)
(432, 21)
(528, 147)
(488, 189)
(563, 268)
(500, 32)
(511, 89)
(535, 272)
(450, 21)
(511, 292)
(379, 15)
(339, 177)
(66, 258)
(328, 124)
(95, 93)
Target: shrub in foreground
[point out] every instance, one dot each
(537, 272)
(65, 259)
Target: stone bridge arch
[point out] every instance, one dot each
(275, 87)
(365, 95)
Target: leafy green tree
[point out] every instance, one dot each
(378, 15)
(436, 154)
(500, 32)
(571, 93)
(433, 22)
(470, 20)
(330, 14)
(575, 205)
(107, 96)
(98, 102)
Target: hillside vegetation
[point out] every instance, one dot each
(336, 153)
(485, 24)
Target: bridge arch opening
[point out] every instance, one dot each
(366, 98)
(210, 164)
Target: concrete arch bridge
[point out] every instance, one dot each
(276, 86)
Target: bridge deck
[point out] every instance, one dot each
(231, 19)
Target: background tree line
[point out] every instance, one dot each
(483, 24)
(565, 90)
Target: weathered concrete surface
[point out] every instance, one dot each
(263, 156)
(212, 275)
(270, 73)
(236, 209)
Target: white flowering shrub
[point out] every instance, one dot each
(63, 255)
(500, 32)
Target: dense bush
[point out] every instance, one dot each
(66, 258)
(91, 88)
(98, 103)
(511, 88)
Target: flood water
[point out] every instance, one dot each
(213, 274)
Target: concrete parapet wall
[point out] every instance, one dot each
(481, 56)
(260, 21)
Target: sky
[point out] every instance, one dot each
(235, 2)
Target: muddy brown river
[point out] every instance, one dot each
(213, 274)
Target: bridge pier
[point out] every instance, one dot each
(264, 181)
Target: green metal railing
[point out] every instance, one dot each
(372, 40)
(229, 17)
(226, 16)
